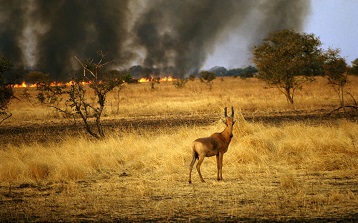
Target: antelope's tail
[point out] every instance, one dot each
(194, 157)
(195, 154)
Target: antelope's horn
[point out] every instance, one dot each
(225, 112)
(232, 112)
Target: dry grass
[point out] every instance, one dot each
(251, 96)
(291, 171)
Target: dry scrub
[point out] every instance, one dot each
(294, 146)
(292, 172)
(252, 96)
(295, 170)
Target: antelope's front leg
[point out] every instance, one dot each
(219, 161)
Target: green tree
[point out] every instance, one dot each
(335, 69)
(35, 77)
(207, 77)
(219, 71)
(248, 72)
(354, 68)
(192, 77)
(101, 83)
(287, 59)
(180, 82)
(6, 92)
(47, 94)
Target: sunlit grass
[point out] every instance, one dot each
(269, 173)
(251, 96)
(293, 170)
(167, 153)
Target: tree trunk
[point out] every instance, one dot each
(99, 126)
(289, 96)
(342, 102)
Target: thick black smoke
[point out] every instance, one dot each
(64, 29)
(11, 26)
(81, 28)
(280, 14)
(184, 32)
(180, 33)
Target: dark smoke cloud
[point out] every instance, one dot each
(184, 32)
(11, 26)
(180, 33)
(66, 29)
(80, 28)
(279, 14)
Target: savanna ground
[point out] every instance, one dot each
(284, 164)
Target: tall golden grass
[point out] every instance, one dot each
(289, 172)
(293, 170)
(252, 96)
(294, 146)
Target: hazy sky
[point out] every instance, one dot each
(335, 22)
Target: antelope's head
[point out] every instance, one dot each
(229, 120)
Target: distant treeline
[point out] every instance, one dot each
(249, 71)
(140, 71)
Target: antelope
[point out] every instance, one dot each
(215, 145)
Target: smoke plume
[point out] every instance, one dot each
(47, 35)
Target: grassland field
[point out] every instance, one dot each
(285, 164)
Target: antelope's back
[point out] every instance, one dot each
(207, 142)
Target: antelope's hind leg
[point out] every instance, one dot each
(191, 165)
(200, 161)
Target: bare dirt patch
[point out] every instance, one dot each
(256, 197)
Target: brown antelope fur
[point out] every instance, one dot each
(215, 145)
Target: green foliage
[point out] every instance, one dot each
(78, 102)
(47, 93)
(180, 82)
(101, 83)
(192, 77)
(286, 60)
(6, 92)
(219, 71)
(34, 77)
(207, 77)
(248, 72)
(5, 65)
(335, 68)
(354, 68)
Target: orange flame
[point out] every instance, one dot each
(144, 79)
(169, 78)
(24, 85)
